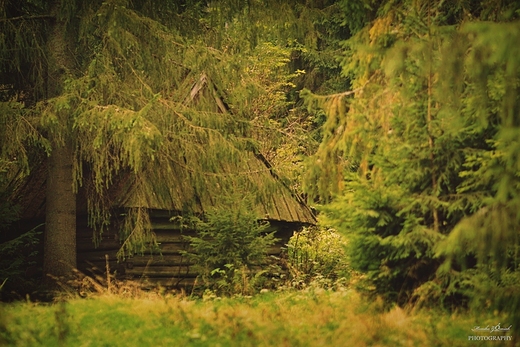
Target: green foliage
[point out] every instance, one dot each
(387, 243)
(230, 245)
(17, 258)
(28, 36)
(382, 162)
(426, 147)
(19, 136)
(487, 239)
(318, 254)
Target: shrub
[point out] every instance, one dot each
(317, 254)
(230, 247)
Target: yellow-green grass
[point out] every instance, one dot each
(309, 318)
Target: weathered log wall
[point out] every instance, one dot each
(166, 267)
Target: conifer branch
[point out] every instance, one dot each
(339, 95)
(13, 19)
(345, 93)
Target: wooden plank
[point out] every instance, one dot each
(98, 267)
(97, 255)
(172, 282)
(165, 260)
(169, 251)
(89, 238)
(172, 235)
(161, 271)
(166, 224)
(163, 214)
(85, 231)
(162, 235)
(101, 266)
(103, 245)
(173, 248)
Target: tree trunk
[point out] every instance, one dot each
(59, 256)
(60, 228)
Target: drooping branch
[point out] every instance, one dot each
(38, 17)
(337, 95)
(345, 93)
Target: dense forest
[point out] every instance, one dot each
(397, 121)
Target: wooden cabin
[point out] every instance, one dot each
(284, 211)
(165, 266)
(171, 193)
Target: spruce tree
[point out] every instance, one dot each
(481, 254)
(398, 151)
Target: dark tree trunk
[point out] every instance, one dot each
(60, 228)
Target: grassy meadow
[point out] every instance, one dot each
(313, 317)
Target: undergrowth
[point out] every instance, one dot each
(310, 317)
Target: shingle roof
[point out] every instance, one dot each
(180, 192)
(176, 188)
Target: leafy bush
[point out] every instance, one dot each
(230, 246)
(317, 254)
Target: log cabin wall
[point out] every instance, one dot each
(91, 258)
(166, 266)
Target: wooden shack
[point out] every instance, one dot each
(165, 265)
(170, 195)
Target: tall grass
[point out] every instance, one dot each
(306, 318)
